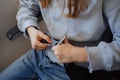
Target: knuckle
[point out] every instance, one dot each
(56, 53)
(34, 46)
(47, 38)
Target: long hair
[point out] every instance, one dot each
(74, 6)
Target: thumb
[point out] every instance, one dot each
(65, 40)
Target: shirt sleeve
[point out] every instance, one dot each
(27, 14)
(106, 56)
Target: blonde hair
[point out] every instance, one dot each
(74, 6)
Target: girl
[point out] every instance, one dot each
(81, 27)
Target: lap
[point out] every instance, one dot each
(34, 65)
(80, 73)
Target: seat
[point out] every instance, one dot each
(14, 32)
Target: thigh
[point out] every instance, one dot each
(21, 69)
(34, 65)
(77, 72)
(105, 75)
(48, 70)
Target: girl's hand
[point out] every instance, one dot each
(35, 37)
(67, 53)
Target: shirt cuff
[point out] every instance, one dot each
(27, 24)
(95, 58)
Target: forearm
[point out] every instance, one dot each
(26, 15)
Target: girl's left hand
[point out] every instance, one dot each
(67, 53)
(64, 52)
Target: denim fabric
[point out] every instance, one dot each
(34, 65)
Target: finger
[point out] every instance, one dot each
(54, 48)
(42, 45)
(39, 48)
(45, 37)
(37, 44)
(60, 58)
(65, 40)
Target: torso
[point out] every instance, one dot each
(89, 26)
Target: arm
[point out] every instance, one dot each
(27, 18)
(107, 55)
(27, 14)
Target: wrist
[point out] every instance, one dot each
(30, 29)
(80, 54)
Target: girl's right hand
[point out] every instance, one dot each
(35, 37)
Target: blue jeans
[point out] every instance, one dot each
(34, 65)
